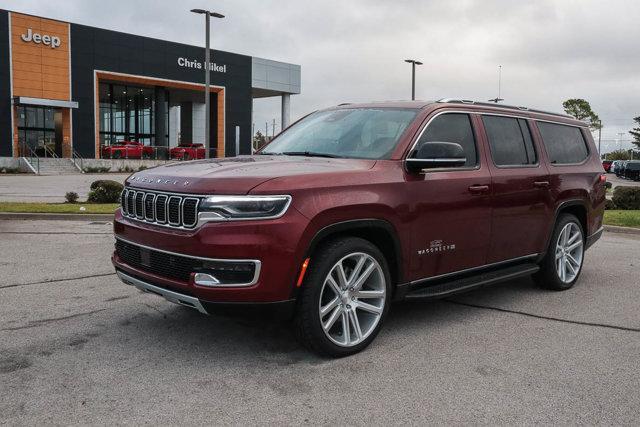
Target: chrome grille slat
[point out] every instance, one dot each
(149, 211)
(166, 209)
(161, 208)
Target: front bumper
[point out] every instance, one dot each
(279, 309)
(275, 246)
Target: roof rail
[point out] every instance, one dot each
(500, 106)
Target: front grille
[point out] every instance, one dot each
(173, 210)
(180, 267)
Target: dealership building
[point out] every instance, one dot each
(71, 90)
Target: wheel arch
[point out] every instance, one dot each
(576, 207)
(379, 232)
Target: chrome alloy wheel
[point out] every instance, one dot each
(352, 299)
(569, 252)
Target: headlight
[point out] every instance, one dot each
(230, 208)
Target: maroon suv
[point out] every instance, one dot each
(355, 206)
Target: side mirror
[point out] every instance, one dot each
(436, 155)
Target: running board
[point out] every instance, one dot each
(453, 286)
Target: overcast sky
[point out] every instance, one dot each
(354, 50)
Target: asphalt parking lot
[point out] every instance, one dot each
(79, 347)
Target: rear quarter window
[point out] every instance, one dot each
(564, 144)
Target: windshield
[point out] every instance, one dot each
(365, 133)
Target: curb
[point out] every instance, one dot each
(624, 230)
(55, 216)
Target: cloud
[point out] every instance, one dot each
(354, 50)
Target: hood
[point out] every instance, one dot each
(237, 175)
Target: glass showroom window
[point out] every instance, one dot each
(126, 114)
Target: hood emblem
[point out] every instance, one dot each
(157, 181)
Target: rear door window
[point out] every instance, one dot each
(510, 141)
(564, 144)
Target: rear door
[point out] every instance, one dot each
(521, 201)
(450, 208)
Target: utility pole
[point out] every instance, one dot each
(207, 70)
(599, 137)
(266, 130)
(413, 63)
(273, 129)
(497, 98)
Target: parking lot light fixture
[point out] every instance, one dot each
(413, 63)
(207, 62)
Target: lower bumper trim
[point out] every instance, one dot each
(170, 296)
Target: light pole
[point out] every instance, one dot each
(207, 64)
(413, 63)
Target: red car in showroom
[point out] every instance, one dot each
(188, 151)
(127, 150)
(359, 205)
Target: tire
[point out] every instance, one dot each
(185, 156)
(558, 256)
(353, 306)
(116, 155)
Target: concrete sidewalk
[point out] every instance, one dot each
(50, 188)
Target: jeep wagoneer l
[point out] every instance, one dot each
(356, 206)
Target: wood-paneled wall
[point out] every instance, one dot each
(39, 71)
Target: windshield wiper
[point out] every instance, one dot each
(310, 154)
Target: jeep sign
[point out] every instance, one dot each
(37, 38)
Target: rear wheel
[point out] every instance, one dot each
(562, 264)
(344, 298)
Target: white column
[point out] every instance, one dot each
(286, 110)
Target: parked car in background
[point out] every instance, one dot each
(127, 150)
(356, 206)
(632, 170)
(606, 164)
(188, 151)
(620, 168)
(614, 166)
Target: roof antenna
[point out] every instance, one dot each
(497, 98)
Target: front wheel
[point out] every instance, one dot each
(344, 298)
(562, 264)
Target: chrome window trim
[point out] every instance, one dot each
(525, 115)
(257, 263)
(469, 270)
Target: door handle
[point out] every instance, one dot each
(478, 189)
(541, 184)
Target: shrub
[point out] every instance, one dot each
(96, 169)
(609, 205)
(9, 170)
(127, 169)
(626, 197)
(608, 185)
(142, 167)
(105, 191)
(71, 197)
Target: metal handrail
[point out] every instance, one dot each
(26, 149)
(49, 151)
(75, 157)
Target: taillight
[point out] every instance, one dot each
(603, 177)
